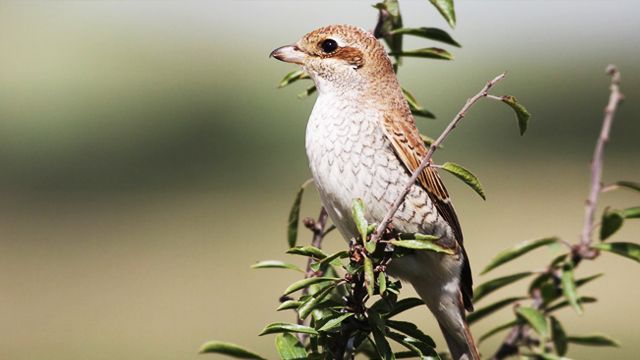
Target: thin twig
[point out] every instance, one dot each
(317, 228)
(427, 158)
(596, 164)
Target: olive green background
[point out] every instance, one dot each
(147, 159)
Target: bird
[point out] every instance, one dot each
(362, 142)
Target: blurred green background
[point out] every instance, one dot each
(147, 159)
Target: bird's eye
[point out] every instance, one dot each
(329, 46)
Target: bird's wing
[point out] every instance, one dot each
(400, 129)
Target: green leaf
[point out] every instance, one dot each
(497, 329)
(275, 264)
(294, 216)
(631, 213)
(379, 335)
(488, 287)
(430, 53)
(389, 18)
(466, 176)
(230, 349)
(428, 33)
(289, 348)
(310, 90)
(489, 309)
(415, 106)
(335, 322)
(445, 7)
(305, 309)
(329, 259)
(630, 250)
(581, 300)
(382, 282)
(369, 280)
(517, 251)
(404, 305)
(293, 77)
(522, 114)
(411, 330)
(357, 211)
(558, 336)
(593, 340)
(287, 328)
(535, 319)
(416, 244)
(569, 288)
(612, 221)
(629, 185)
(289, 304)
(310, 251)
(301, 284)
(428, 141)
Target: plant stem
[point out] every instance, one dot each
(427, 158)
(598, 157)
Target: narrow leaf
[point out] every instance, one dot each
(569, 288)
(305, 309)
(382, 282)
(301, 284)
(415, 106)
(289, 304)
(275, 264)
(466, 176)
(517, 251)
(310, 251)
(411, 330)
(428, 33)
(629, 185)
(497, 329)
(430, 53)
(293, 77)
(369, 280)
(559, 336)
(488, 287)
(404, 305)
(593, 340)
(428, 141)
(289, 348)
(626, 249)
(335, 322)
(535, 319)
(229, 349)
(612, 221)
(310, 90)
(416, 244)
(379, 336)
(287, 328)
(581, 300)
(631, 213)
(490, 309)
(357, 211)
(445, 7)
(294, 216)
(522, 114)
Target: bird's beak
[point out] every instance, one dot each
(289, 53)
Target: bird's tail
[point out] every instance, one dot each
(446, 305)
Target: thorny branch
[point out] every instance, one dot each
(426, 161)
(583, 249)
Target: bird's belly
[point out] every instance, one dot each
(351, 158)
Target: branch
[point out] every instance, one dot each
(596, 164)
(427, 158)
(317, 227)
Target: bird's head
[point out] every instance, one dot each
(338, 57)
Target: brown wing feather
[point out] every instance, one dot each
(401, 130)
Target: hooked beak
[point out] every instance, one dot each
(289, 53)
